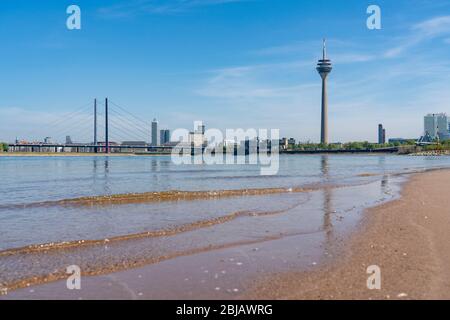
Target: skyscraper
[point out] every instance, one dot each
(381, 134)
(154, 133)
(201, 128)
(324, 68)
(436, 125)
(164, 136)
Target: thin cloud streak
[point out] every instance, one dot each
(420, 32)
(158, 7)
(253, 81)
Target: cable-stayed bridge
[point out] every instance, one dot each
(98, 127)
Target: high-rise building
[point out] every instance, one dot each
(164, 136)
(284, 143)
(161, 137)
(430, 126)
(197, 137)
(324, 68)
(201, 128)
(437, 126)
(442, 127)
(154, 133)
(381, 134)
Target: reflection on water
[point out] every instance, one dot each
(147, 232)
(384, 183)
(324, 166)
(54, 178)
(327, 205)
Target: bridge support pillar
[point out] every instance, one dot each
(106, 127)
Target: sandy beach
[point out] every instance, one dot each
(407, 238)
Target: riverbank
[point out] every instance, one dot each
(431, 153)
(392, 150)
(75, 154)
(408, 239)
(91, 154)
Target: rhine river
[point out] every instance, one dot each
(113, 213)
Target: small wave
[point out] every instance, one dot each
(148, 234)
(157, 196)
(179, 195)
(368, 174)
(59, 274)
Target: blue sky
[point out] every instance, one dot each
(230, 63)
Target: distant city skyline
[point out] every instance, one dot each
(231, 64)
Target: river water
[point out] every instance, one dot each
(166, 210)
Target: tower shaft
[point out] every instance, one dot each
(324, 122)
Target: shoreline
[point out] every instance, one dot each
(76, 154)
(287, 153)
(407, 238)
(135, 154)
(411, 250)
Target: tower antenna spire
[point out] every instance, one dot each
(324, 48)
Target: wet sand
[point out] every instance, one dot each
(409, 239)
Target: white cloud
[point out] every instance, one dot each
(433, 27)
(420, 32)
